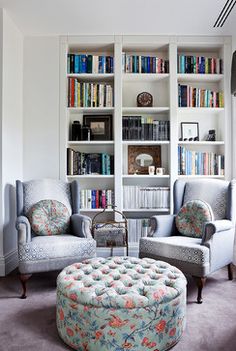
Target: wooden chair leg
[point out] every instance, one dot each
(230, 271)
(23, 279)
(200, 281)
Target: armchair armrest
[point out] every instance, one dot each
(24, 229)
(215, 227)
(162, 226)
(219, 238)
(81, 225)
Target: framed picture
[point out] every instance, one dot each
(141, 157)
(189, 131)
(100, 126)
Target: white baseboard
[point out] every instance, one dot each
(8, 263)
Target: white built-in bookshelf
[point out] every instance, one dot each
(164, 88)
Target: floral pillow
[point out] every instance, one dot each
(49, 217)
(192, 216)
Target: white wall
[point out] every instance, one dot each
(41, 107)
(11, 137)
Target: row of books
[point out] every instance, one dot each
(138, 197)
(94, 198)
(144, 128)
(81, 63)
(199, 64)
(197, 97)
(138, 228)
(83, 94)
(144, 64)
(81, 163)
(199, 163)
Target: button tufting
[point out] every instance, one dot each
(128, 284)
(96, 277)
(124, 271)
(100, 292)
(108, 284)
(78, 277)
(116, 277)
(129, 265)
(114, 281)
(87, 284)
(120, 291)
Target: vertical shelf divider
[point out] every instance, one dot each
(63, 125)
(173, 94)
(227, 109)
(118, 186)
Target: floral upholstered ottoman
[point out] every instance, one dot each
(121, 303)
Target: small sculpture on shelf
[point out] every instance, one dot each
(211, 135)
(190, 139)
(80, 132)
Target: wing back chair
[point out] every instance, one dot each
(196, 256)
(40, 253)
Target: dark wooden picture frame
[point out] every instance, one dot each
(192, 135)
(100, 125)
(135, 151)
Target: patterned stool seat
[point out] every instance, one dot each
(121, 303)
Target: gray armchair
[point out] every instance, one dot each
(196, 256)
(47, 253)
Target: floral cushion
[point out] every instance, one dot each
(121, 303)
(49, 217)
(192, 216)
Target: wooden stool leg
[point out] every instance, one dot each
(230, 271)
(200, 281)
(23, 279)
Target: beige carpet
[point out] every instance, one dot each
(29, 325)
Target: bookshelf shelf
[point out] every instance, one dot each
(144, 77)
(199, 110)
(145, 110)
(165, 91)
(92, 142)
(92, 76)
(90, 109)
(201, 176)
(145, 176)
(146, 142)
(212, 143)
(161, 210)
(200, 77)
(95, 210)
(89, 176)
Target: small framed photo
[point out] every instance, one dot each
(100, 125)
(189, 131)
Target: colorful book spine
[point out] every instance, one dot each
(199, 163)
(83, 63)
(199, 64)
(144, 64)
(189, 96)
(84, 94)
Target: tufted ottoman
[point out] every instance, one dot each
(121, 303)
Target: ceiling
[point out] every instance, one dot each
(53, 17)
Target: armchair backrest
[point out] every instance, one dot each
(30, 192)
(219, 194)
